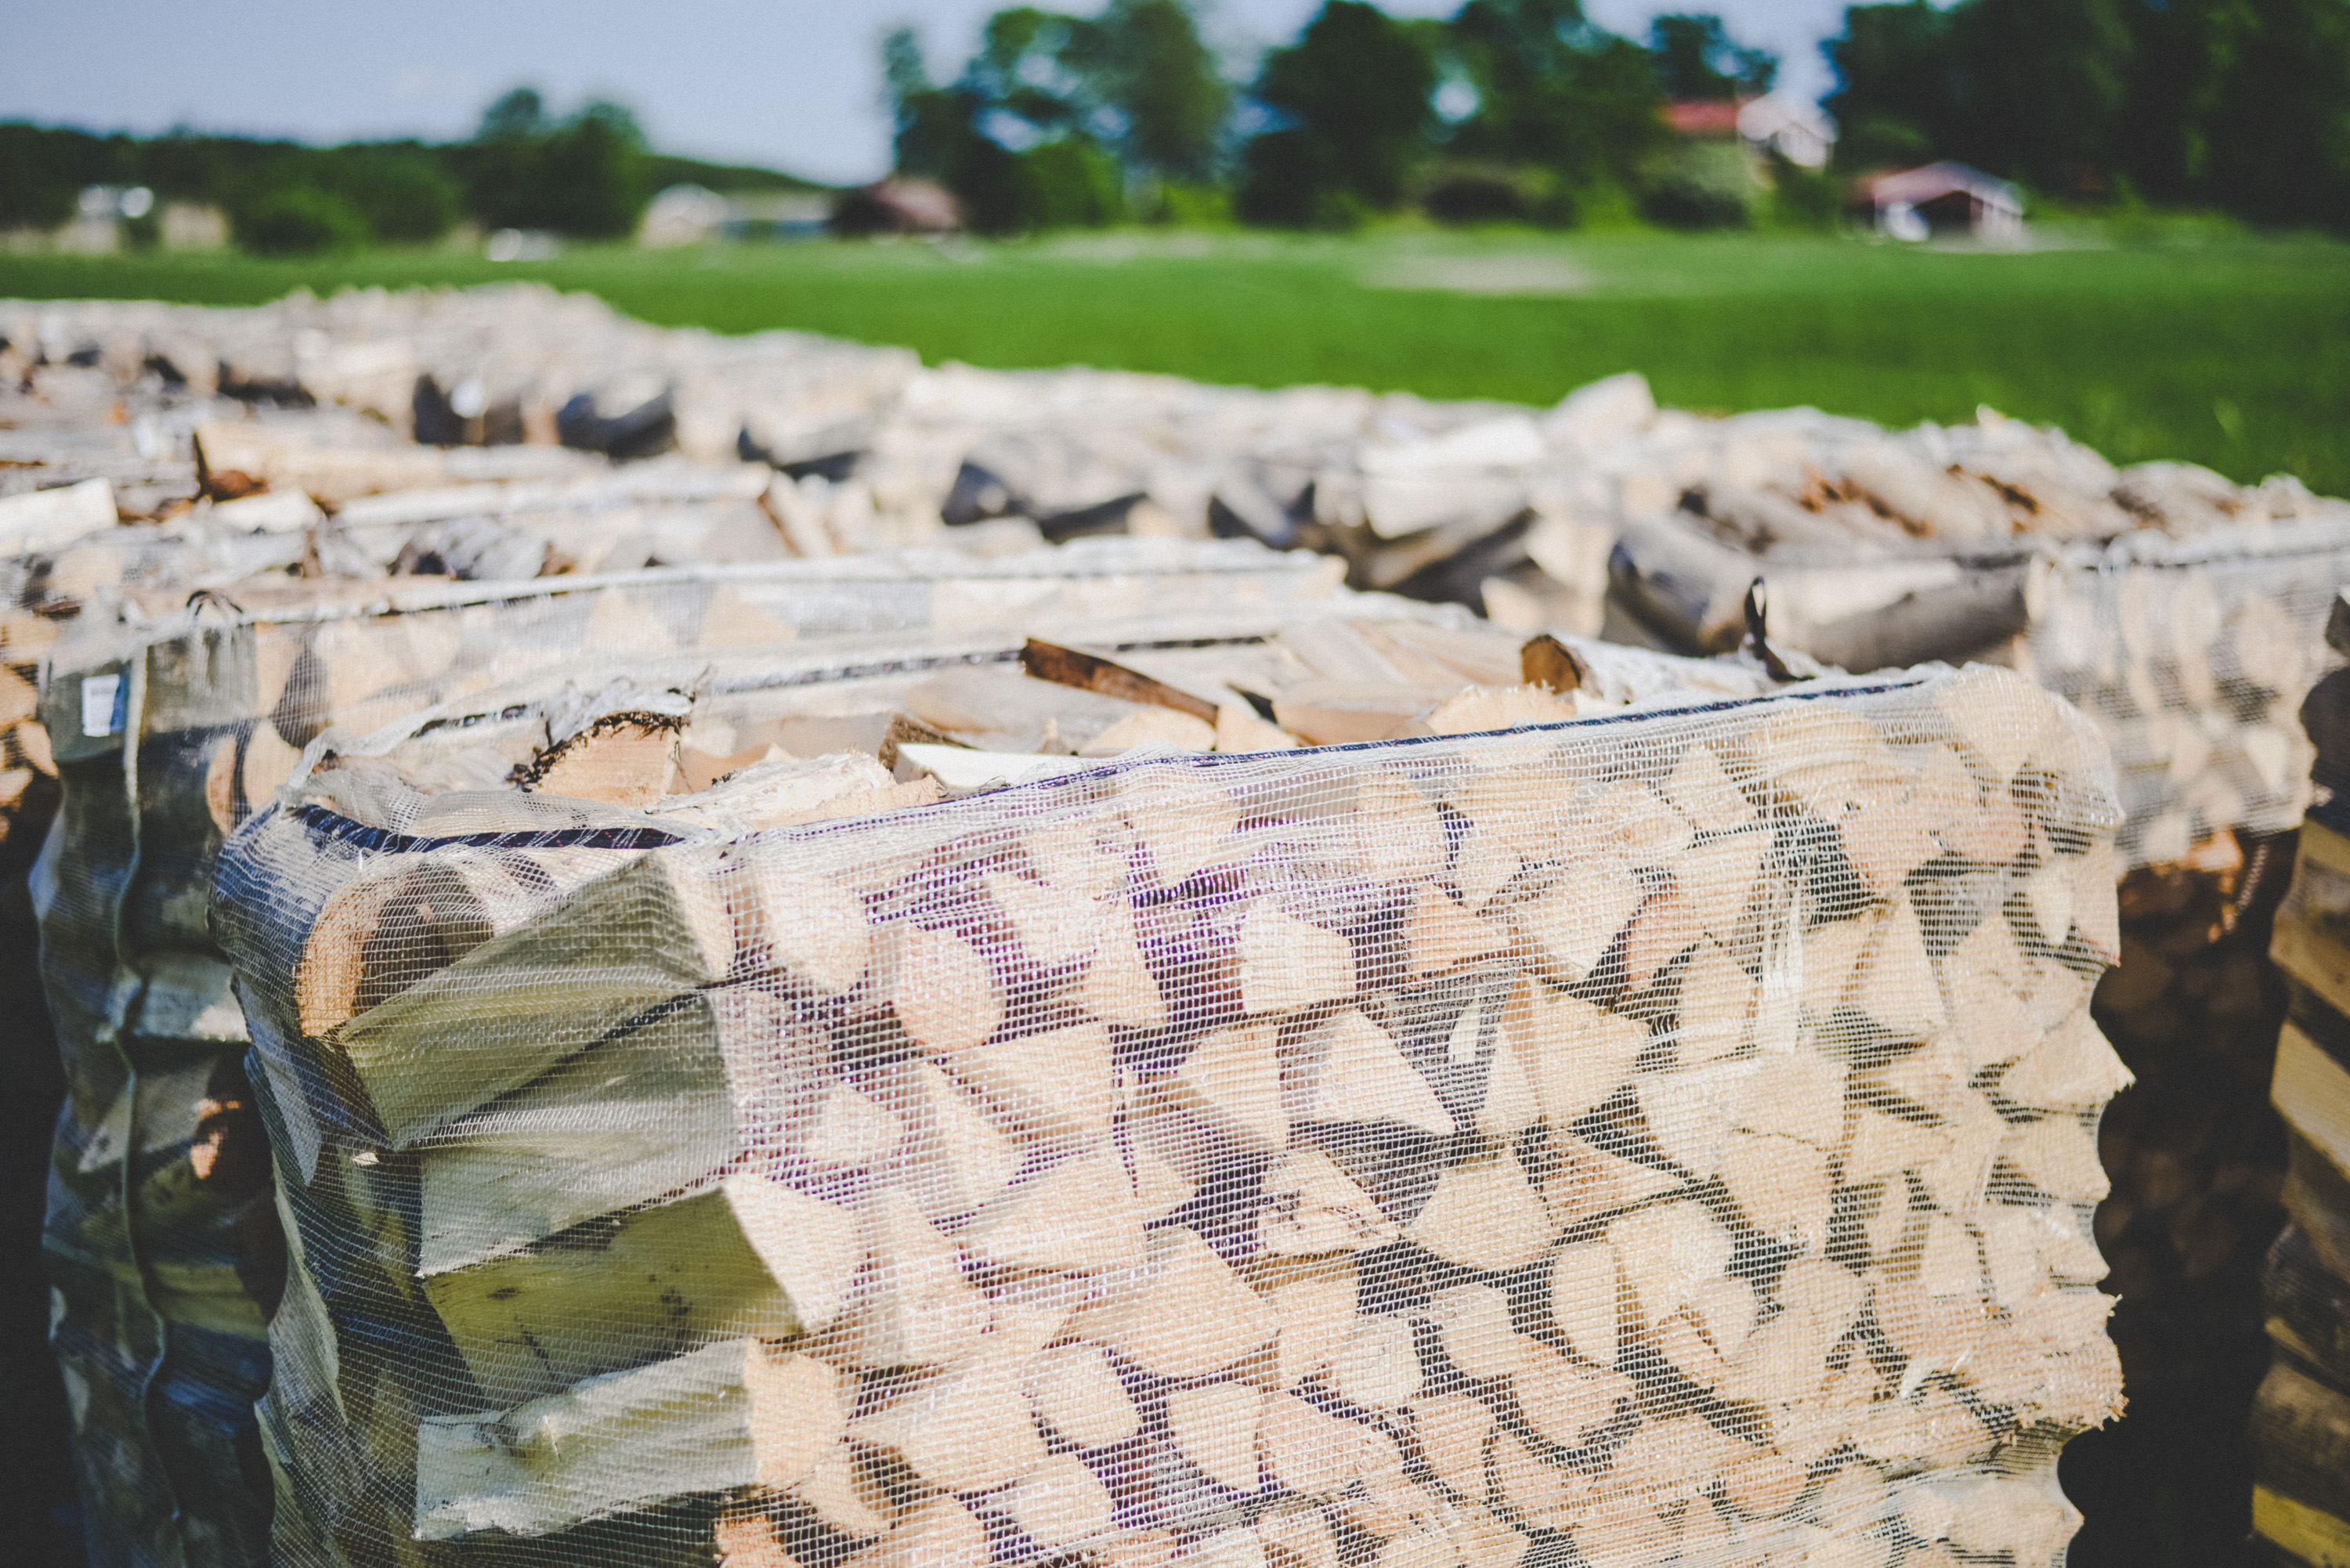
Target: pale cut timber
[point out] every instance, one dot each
(1882, 1146)
(1483, 1216)
(1185, 822)
(1314, 1304)
(1484, 866)
(1062, 1504)
(1186, 1316)
(2057, 1156)
(1763, 1484)
(2074, 1068)
(1214, 1425)
(1118, 987)
(1310, 1453)
(1439, 934)
(911, 1307)
(1540, 1495)
(847, 1130)
(967, 1428)
(938, 1534)
(1286, 963)
(1719, 876)
(1296, 1538)
(1666, 1253)
(1079, 1217)
(1052, 928)
(1888, 837)
(1581, 1182)
(1685, 1113)
(939, 986)
(617, 762)
(1377, 1367)
(1311, 1207)
(1393, 832)
(1153, 727)
(1239, 728)
(524, 1001)
(1781, 1184)
(1716, 1009)
(1453, 1433)
(1052, 1088)
(1076, 1393)
(1351, 1070)
(810, 928)
(1511, 1104)
(1564, 1402)
(1585, 1300)
(953, 1158)
(1799, 1094)
(377, 934)
(1332, 711)
(685, 1269)
(1999, 716)
(1570, 928)
(1701, 789)
(1477, 708)
(1576, 1054)
(1473, 1323)
(1893, 984)
(734, 1414)
(1230, 1086)
(1663, 930)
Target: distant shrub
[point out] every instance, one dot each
(1067, 184)
(299, 221)
(1701, 185)
(1804, 198)
(401, 199)
(1475, 195)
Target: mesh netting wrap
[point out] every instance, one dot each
(161, 1237)
(2191, 654)
(1666, 1134)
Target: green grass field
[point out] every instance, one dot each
(2230, 351)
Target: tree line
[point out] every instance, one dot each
(588, 174)
(1527, 110)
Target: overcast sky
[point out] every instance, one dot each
(792, 83)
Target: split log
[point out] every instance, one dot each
(732, 1414)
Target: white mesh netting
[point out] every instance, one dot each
(1662, 1134)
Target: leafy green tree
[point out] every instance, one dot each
(1555, 92)
(2040, 87)
(1697, 60)
(1894, 98)
(583, 175)
(1351, 98)
(295, 221)
(1143, 62)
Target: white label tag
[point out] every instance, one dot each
(99, 695)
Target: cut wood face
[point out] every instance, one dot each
(1673, 1147)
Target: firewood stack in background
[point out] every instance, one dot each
(1668, 1139)
(2301, 1418)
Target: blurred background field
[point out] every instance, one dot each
(2182, 342)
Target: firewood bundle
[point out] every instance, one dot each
(1655, 1123)
(2300, 1424)
(168, 735)
(2191, 1148)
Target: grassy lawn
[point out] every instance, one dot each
(2234, 352)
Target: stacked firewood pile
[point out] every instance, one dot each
(2301, 1419)
(167, 736)
(1669, 1137)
